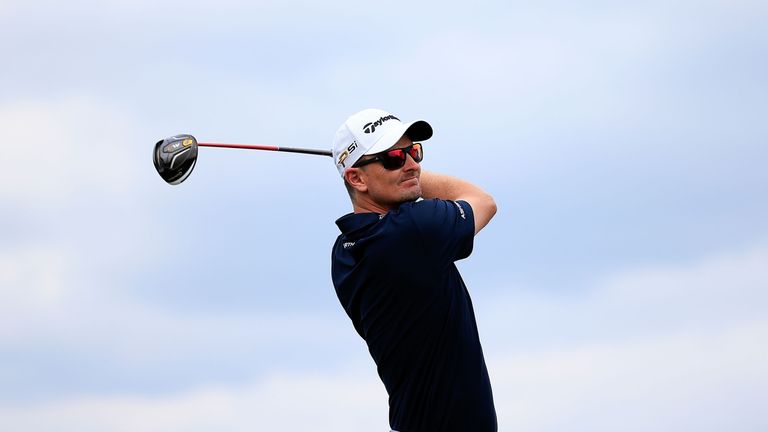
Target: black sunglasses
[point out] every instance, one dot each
(395, 158)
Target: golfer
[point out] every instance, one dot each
(394, 273)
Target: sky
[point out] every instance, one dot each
(622, 285)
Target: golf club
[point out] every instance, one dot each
(175, 157)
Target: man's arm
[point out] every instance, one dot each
(434, 185)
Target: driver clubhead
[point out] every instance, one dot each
(175, 157)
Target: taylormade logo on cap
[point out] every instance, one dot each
(371, 127)
(372, 131)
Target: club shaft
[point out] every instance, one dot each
(268, 148)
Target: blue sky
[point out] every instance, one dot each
(622, 285)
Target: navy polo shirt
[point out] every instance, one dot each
(395, 276)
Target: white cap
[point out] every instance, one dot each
(372, 131)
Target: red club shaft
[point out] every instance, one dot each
(267, 147)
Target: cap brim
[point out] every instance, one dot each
(418, 130)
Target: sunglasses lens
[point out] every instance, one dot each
(395, 159)
(416, 153)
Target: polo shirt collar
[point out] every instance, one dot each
(354, 221)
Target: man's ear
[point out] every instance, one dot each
(356, 179)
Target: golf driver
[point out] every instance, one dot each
(175, 157)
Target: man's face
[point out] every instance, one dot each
(390, 188)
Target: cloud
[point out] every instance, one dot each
(636, 352)
(76, 193)
(56, 149)
(33, 280)
(665, 348)
(689, 381)
(706, 295)
(602, 108)
(679, 383)
(351, 401)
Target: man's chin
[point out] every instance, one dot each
(412, 194)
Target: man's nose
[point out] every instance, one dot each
(410, 163)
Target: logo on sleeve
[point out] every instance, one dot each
(461, 210)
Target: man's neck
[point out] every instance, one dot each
(370, 208)
(364, 204)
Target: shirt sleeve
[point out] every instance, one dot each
(447, 228)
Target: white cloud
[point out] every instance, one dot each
(720, 290)
(667, 348)
(680, 382)
(33, 280)
(676, 383)
(54, 150)
(711, 294)
(634, 362)
(670, 348)
(74, 202)
(351, 401)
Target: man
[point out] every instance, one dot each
(394, 273)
